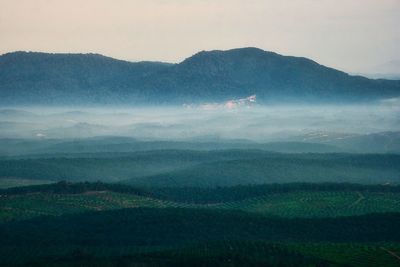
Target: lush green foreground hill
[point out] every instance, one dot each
(200, 208)
(95, 224)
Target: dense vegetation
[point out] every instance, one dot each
(97, 224)
(155, 228)
(230, 253)
(207, 254)
(169, 226)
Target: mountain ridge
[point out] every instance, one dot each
(217, 75)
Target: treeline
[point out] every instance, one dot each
(64, 187)
(200, 195)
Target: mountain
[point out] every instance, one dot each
(41, 78)
(379, 142)
(383, 142)
(387, 70)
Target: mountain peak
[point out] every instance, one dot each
(231, 53)
(240, 50)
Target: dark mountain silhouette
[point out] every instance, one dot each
(41, 78)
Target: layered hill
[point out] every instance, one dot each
(41, 78)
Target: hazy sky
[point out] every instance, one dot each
(352, 35)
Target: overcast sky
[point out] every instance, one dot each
(351, 35)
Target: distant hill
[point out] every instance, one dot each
(41, 78)
(185, 168)
(383, 142)
(388, 142)
(388, 70)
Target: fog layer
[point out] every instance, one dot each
(256, 123)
